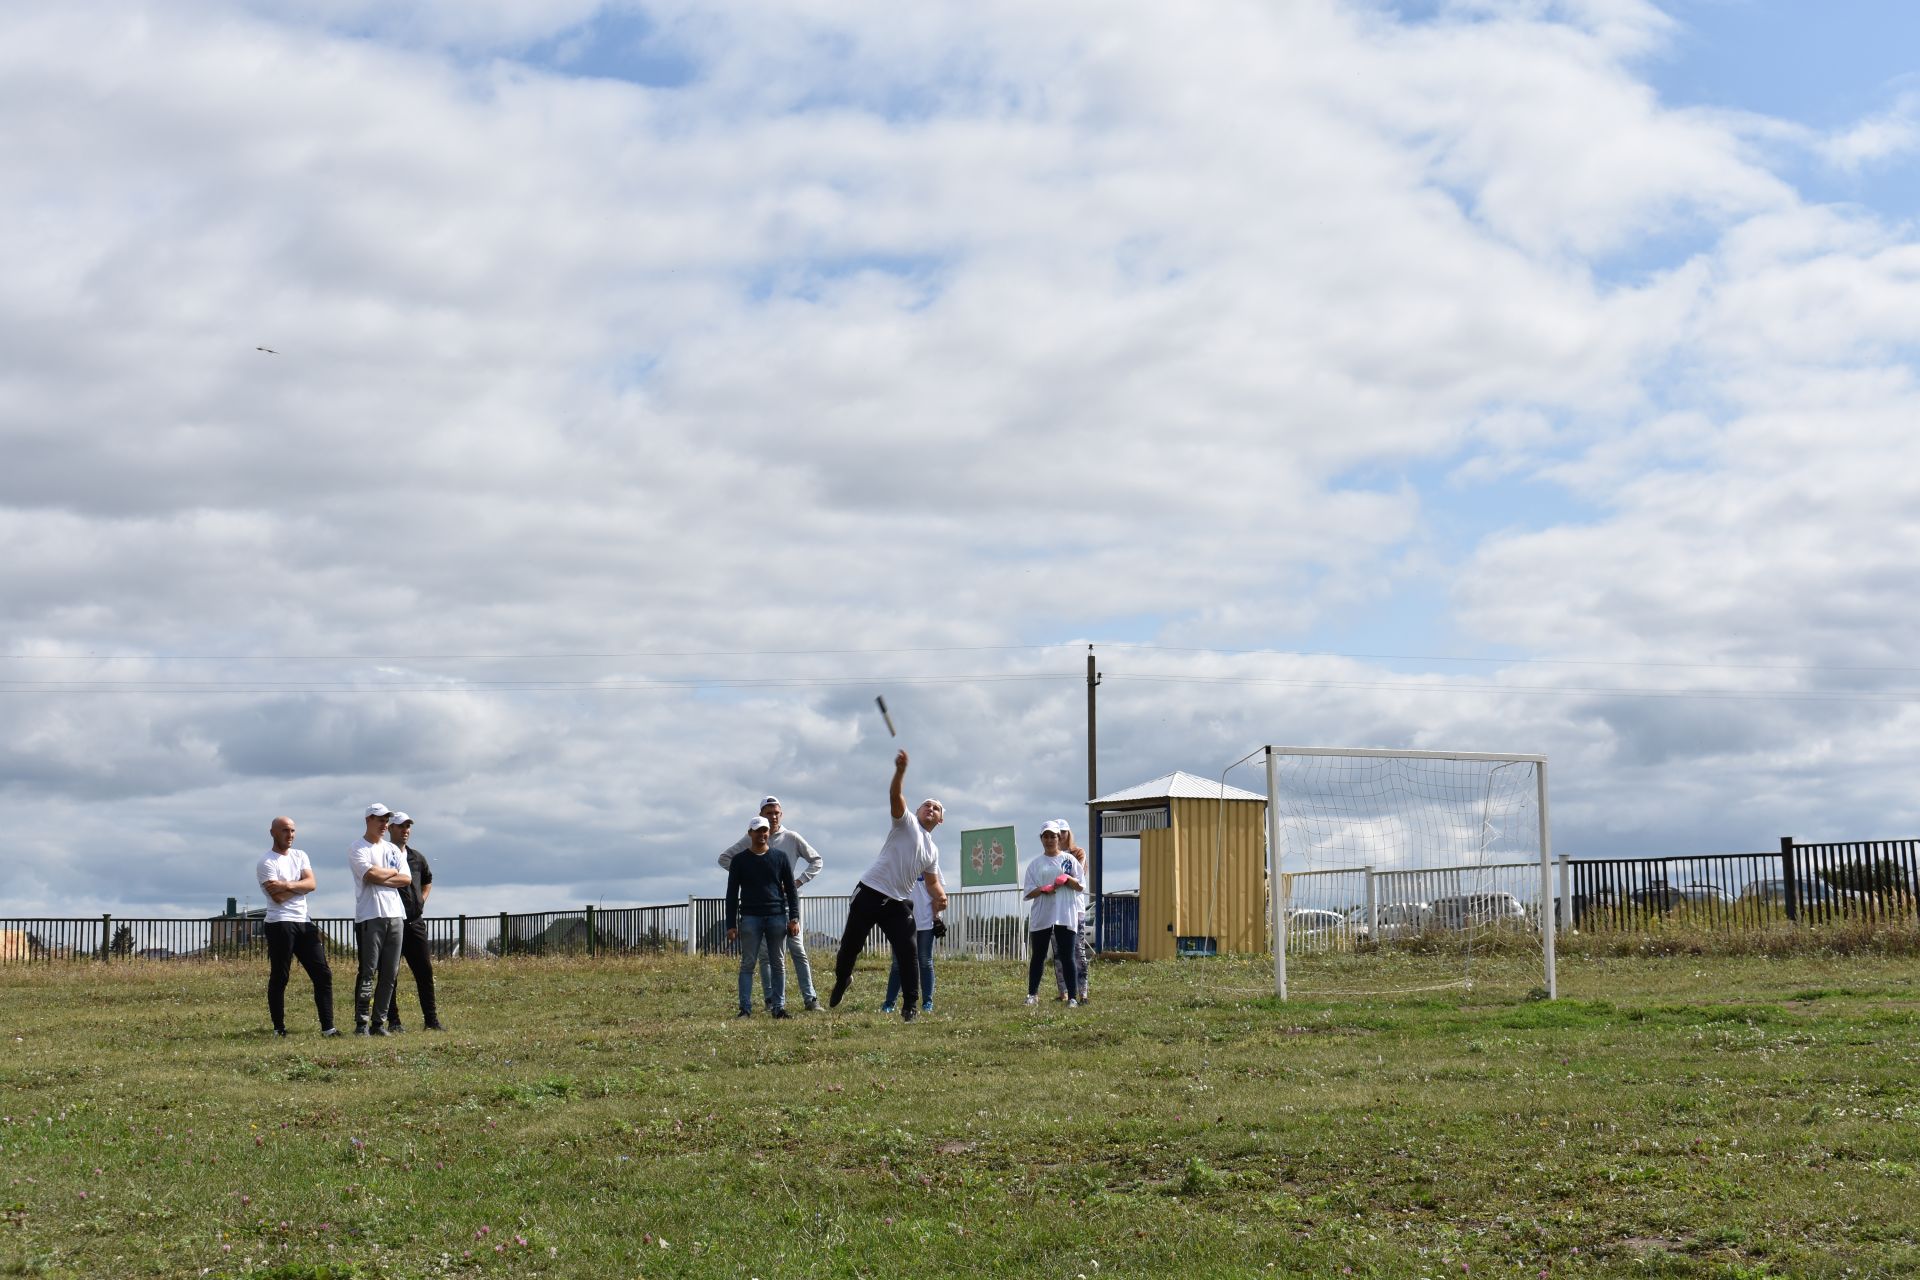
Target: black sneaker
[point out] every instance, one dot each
(840, 986)
(376, 1031)
(781, 1013)
(280, 1031)
(433, 1024)
(744, 1013)
(909, 1013)
(360, 1029)
(394, 1028)
(329, 1031)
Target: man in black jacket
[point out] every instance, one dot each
(763, 905)
(414, 948)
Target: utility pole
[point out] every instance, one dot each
(1093, 790)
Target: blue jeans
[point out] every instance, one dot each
(924, 940)
(768, 932)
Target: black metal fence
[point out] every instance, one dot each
(1803, 884)
(1873, 880)
(108, 938)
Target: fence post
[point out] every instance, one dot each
(463, 936)
(1566, 894)
(106, 936)
(1787, 873)
(590, 950)
(503, 935)
(1373, 908)
(693, 927)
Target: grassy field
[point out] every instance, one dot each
(1733, 1117)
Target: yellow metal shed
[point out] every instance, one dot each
(1203, 858)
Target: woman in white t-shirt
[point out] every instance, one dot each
(1051, 882)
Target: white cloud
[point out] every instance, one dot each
(927, 328)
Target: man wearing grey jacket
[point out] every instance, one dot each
(806, 865)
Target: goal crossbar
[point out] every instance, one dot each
(1386, 753)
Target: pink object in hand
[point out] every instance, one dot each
(1061, 878)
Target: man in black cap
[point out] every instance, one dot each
(414, 946)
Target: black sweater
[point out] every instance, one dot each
(761, 884)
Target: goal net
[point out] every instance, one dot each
(1409, 870)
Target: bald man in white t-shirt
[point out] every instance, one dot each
(882, 896)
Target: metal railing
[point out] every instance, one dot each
(1804, 884)
(984, 924)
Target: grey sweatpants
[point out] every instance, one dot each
(379, 943)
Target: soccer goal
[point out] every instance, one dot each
(1408, 870)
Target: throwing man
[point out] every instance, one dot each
(881, 898)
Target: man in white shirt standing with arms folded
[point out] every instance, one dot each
(799, 853)
(286, 877)
(881, 896)
(378, 870)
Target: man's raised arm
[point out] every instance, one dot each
(896, 794)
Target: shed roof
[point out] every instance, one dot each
(1178, 785)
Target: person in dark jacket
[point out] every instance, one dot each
(414, 948)
(763, 906)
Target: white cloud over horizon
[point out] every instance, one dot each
(872, 345)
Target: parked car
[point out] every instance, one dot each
(1774, 892)
(1393, 920)
(1479, 911)
(1312, 929)
(1314, 920)
(1662, 896)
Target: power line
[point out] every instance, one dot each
(633, 654)
(334, 688)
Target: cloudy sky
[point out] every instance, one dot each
(653, 384)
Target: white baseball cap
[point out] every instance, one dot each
(377, 811)
(1061, 824)
(1050, 828)
(759, 824)
(398, 819)
(769, 800)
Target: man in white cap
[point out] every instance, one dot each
(415, 947)
(800, 854)
(1082, 929)
(762, 904)
(881, 897)
(377, 870)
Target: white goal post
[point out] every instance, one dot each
(1276, 871)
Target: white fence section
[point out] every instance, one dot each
(983, 924)
(1335, 910)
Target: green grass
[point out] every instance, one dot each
(1734, 1117)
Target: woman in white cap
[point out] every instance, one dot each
(1051, 881)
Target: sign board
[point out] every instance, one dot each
(987, 857)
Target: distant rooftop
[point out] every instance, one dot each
(1178, 785)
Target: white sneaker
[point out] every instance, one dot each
(1073, 1004)
(1033, 1000)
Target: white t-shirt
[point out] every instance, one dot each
(376, 901)
(922, 904)
(286, 868)
(907, 854)
(1050, 909)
